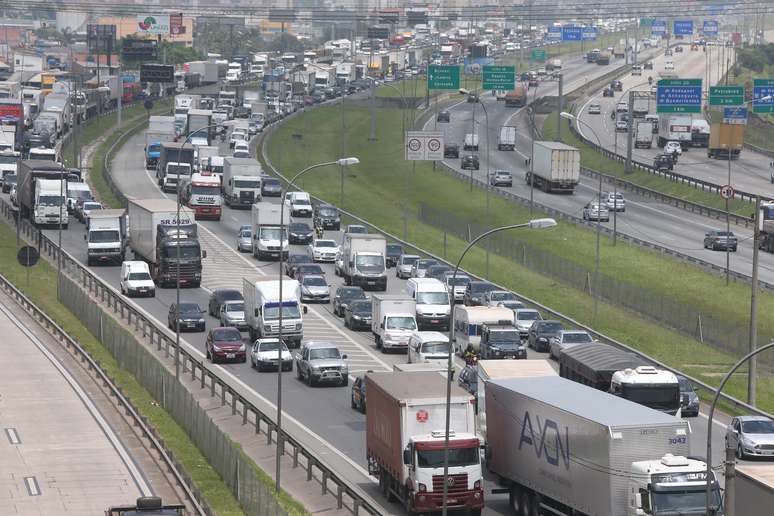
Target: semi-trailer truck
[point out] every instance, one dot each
(567, 449)
(555, 167)
(29, 172)
(725, 138)
(507, 138)
(241, 181)
(754, 485)
(262, 309)
(269, 237)
(363, 258)
(176, 161)
(106, 236)
(156, 237)
(405, 440)
(624, 374)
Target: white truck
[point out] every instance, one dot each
(345, 73)
(676, 128)
(555, 167)
(754, 485)
(50, 202)
(241, 181)
(161, 129)
(507, 138)
(269, 239)
(106, 236)
(76, 192)
(60, 103)
(7, 138)
(640, 107)
(201, 131)
(363, 259)
(568, 449)
(405, 439)
(207, 70)
(49, 122)
(203, 155)
(8, 162)
(325, 76)
(201, 193)
(643, 134)
(262, 309)
(393, 321)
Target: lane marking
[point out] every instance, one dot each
(32, 486)
(13, 436)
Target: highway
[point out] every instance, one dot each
(325, 411)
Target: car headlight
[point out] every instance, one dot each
(201, 320)
(215, 348)
(315, 367)
(267, 328)
(242, 347)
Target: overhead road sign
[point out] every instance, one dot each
(443, 77)
(683, 27)
(678, 96)
(590, 33)
(647, 22)
(499, 78)
(658, 27)
(572, 33)
(763, 88)
(710, 28)
(538, 54)
(100, 39)
(157, 73)
(282, 15)
(555, 33)
(139, 49)
(726, 95)
(735, 115)
(424, 146)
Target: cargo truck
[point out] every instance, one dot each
(507, 138)
(700, 132)
(201, 131)
(203, 155)
(201, 193)
(676, 128)
(363, 257)
(175, 162)
(160, 129)
(624, 374)
(50, 203)
(640, 107)
(393, 321)
(262, 309)
(754, 488)
(154, 238)
(603, 58)
(241, 181)
(517, 97)
(405, 439)
(29, 172)
(60, 103)
(106, 236)
(555, 167)
(643, 135)
(269, 238)
(207, 70)
(724, 137)
(567, 449)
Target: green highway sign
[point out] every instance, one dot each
(499, 77)
(763, 89)
(443, 77)
(647, 22)
(678, 96)
(538, 54)
(726, 95)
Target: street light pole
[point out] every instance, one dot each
(341, 162)
(532, 224)
(532, 151)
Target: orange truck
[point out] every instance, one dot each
(516, 97)
(725, 138)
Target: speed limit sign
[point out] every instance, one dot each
(727, 192)
(424, 146)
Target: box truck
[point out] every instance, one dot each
(269, 238)
(643, 134)
(176, 161)
(622, 373)
(676, 128)
(393, 321)
(50, 203)
(105, 236)
(754, 488)
(161, 129)
(507, 138)
(241, 181)
(262, 309)
(700, 132)
(363, 257)
(207, 70)
(724, 137)
(555, 167)
(405, 440)
(567, 449)
(201, 131)
(156, 237)
(640, 107)
(29, 172)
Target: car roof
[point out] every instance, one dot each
(751, 417)
(317, 344)
(318, 240)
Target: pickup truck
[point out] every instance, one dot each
(321, 362)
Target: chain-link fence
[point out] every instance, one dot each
(222, 453)
(686, 319)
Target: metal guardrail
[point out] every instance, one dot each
(71, 345)
(760, 150)
(157, 336)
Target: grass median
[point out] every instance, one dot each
(383, 188)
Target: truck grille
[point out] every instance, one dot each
(247, 196)
(186, 270)
(459, 486)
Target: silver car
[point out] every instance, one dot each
(244, 240)
(404, 265)
(419, 269)
(614, 201)
(319, 362)
(314, 288)
(495, 297)
(232, 313)
(460, 285)
(754, 436)
(523, 319)
(567, 339)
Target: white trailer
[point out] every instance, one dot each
(269, 238)
(675, 128)
(392, 321)
(555, 167)
(364, 260)
(468, 321)
(507, 138)
(643, 134)
(262, 309)
(754, 488)
(241, 181)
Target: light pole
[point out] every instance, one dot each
(532, 150)
(532, 224)
(488, 139)
(342, 162)
(709, 508)
(595, 294)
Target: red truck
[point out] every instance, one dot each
(405, 438)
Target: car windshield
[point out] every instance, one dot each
(310, 269)
(458, 281)
(528, 316)
(288, 312)
(271, 345)
(685, 385)
(226, 335)
(440, 348)
(245, 233)
(352, 293)
(238, 306)
(315, 281)
(410, 260)
(364, 307)
(79, 194)
(242, 183)
(480, 287)
(458, 457)
(317, 354)
(139, 276)
(103, 236)
(401, 323)
(550, 327)
(327, 212)
(758, 427)
(394, 249)
(299, 227)
(189, 308)
(504, 336)
(325, 243)
(426, 264)
(88, 206)
(356, 229)
(576, 338)
(501, 296)
(432, 298)
(271, 182)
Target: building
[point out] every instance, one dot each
(25, 60)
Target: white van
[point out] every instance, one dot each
(300, 204)
(430, 347)
(136, 279)
(432, 300)
(468, 321)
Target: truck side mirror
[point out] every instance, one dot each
(407, 457)
(84, 237)
(204, 253)
(306, 309)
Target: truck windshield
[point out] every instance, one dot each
(369, 262)
(187, 252)
(401, 323)
(154, 147)
(272, 234)
(178, 170)
(8, 160)
(79, 194)
(103, 236)
(234, 307)
(432, 298)
(504, 336)
(44, 156)
(440, 348)
(682, 502)
(458, 457)
(660, 397)
(288, 312)
(205, 190)
(49, 200)
(241, 183)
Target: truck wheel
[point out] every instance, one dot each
(474, 512)
(530, 507)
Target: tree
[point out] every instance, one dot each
(285, 42)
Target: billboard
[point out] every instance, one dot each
(155, 24)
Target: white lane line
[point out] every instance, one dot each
(32, 486)
(13, 436)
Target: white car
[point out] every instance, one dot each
(323, 250)
(237, 135)
(614, 201)
(136, 279)
(428, 347)
(594, 109)
(265, 353)
(523, 319)
(637, 70)
(669, 65)
(672, 146)
(241, 150)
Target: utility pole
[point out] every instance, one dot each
(730, 474)
(561, 108)
(372, 136)
(753, 368)
(629, 123)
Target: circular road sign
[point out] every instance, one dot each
(726, 192)
(27, 256)
(414, 144)
(434, 144)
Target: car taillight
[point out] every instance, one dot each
(422, 488)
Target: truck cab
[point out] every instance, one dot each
(654, 388)
(106, 236)
(269, 237)
(49, 203)
(364, 262)
(202, 194)
(262, 309)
